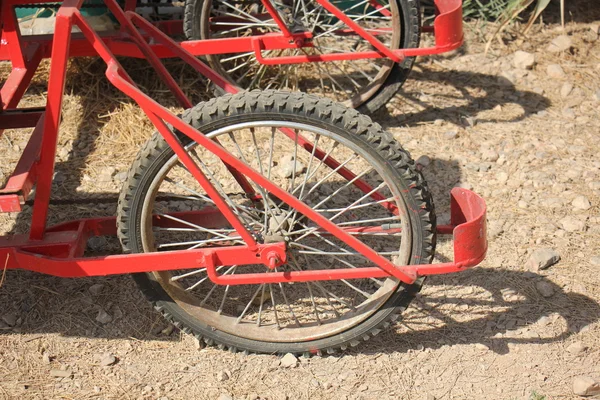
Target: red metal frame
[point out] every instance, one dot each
(59, 250)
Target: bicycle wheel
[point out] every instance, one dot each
(288, 317)
(363, 84)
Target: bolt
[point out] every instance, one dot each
(273, 260)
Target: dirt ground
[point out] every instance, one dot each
(526, 139)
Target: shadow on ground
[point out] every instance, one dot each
(454, 89)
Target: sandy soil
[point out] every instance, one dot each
(526, 140)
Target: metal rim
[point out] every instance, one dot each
(298, 328)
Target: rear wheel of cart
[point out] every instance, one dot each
(390, 210)
(364, 84)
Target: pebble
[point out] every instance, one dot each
(597, 96)
(285, 167)
(581, 203)
(595, 261)
(585, 386)
(542, 259)
(10, 319)
(106, 175)
(569, 113)
(289, 361)
(555, 71)
(223, 376)
(545, 288)
(502, 177)
(490, 155)
(423, 160)
(566, 89)
(96, 243)
(576, 348)
(107, 359)
(507, 78)
(560, 43)
(103, 317)
(481, 346)
(59, 373)
(572, 224)
(96, 289)
(59, 177)
(523, 60)
(224, 396)
(121, 176)
(451, 134)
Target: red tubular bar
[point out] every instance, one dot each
(61, 250)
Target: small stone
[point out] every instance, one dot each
(59, 177)
(225, 396)
(502, 177)
(572, 224)
(222, 376)
(46, 358)
(10, 319)
(542, 259)
(566, 89)
(97, 243)
(59, 373)
(560, 43)
(507, 78)
(581, 203)
(103, 317)
(451, 134)
(63, 153)
(490, 155)
(423, 161)
(569, 113)
(522, 204)
(121, 176)
(96, 289)
(289, 361)
(595, 28)
(576, 348)
(481, 346)
(597, 95)
(496, 229)
(106, 175)
(586, 386)
(595, 261)
(555, 71)
(168, 330)
(107, 359)
(523, 60)
(545, 288)
(286, 164)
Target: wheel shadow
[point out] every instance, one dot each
(492, 306)
(463, 98)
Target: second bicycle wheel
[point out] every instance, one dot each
(364, 84)
(390, 210)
